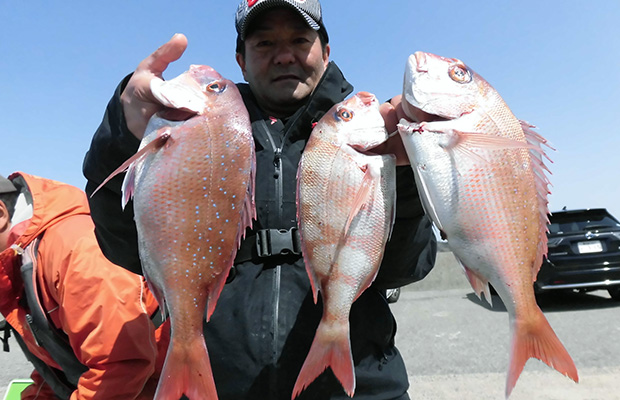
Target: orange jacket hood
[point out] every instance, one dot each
(51, 202)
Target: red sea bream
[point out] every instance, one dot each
(192, 187)
(345, 206)
(482, 180)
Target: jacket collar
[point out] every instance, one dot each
(332, 89)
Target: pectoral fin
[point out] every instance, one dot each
(152, 146)
(478, 283)
(465, 143)
(370, 180)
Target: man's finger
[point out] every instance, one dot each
(389, 116)
(167, 53)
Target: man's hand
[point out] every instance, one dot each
(138, 101)
(392, 112)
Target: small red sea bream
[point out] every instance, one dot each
(345, 207)
(193, 197)
(481, 176)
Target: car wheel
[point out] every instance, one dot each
(392, 295)
(614, 292)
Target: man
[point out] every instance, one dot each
(81, 321)
(265, 319)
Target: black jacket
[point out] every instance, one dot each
(265, 320)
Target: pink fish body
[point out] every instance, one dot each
(192, 186)
(345, 203)
(482, 180)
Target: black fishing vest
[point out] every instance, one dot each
(279, 145)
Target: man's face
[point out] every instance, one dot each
(284, 61)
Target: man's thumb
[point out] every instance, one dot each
(167, 53)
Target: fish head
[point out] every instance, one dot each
(440, 86)
(203, 74)
(357, 121)
(207, 80)
(197, 90)
(219, 93)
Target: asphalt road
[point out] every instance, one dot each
(456, 347)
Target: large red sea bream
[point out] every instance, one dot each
(482, 180)
(192, 187)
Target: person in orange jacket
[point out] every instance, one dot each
(84, 323)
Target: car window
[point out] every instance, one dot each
(554, 228)
(570, 223)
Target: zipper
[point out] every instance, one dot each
(277, 165)
(277, 271)
(273, 376)
(277, 274)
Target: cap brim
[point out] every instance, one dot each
(6, 186)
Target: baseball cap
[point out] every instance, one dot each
(6, 186)
(310, 10)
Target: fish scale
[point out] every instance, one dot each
(482, 181)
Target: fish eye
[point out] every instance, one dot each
(344, 114)
(459, 73)
(216, 87)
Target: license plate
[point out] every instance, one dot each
(593, 246)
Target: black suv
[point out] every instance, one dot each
(584, 252)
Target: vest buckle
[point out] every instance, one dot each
(273, 242)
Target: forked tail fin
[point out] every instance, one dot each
(537, 340)
(331, 348)
(187, 370)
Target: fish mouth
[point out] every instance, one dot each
(416, 114)
(366, 98)
(420, 61)
(417, 68)
(176, 114)
(366, 151)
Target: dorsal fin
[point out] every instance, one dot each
(537, 157)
